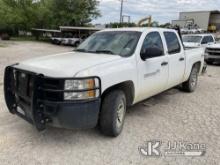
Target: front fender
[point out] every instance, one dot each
(113, 73)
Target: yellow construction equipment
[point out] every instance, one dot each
(212, 28)
(149, 19)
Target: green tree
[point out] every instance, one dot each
(120, 25)
(166, 25)
(26, 14)
(73, 12)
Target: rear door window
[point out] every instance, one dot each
(211, 40)
(172, 41)
(205, 40)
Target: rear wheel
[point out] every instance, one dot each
(191, 84)
(113, 113)
(204, 69)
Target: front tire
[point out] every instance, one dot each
(191, 84)
(113, 113)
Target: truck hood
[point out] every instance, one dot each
(191, 44)
(215, 46)
(65, 64)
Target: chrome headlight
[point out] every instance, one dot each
(81, 89)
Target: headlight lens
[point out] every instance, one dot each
(81, 89)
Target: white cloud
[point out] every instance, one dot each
(161, 10)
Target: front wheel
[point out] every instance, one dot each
(113, 113)
(191, 84)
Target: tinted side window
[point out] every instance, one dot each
(172, 41)
(153, 40)
(211, 39)
(205, 40)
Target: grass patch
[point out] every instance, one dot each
(3, 46)
(22, 39)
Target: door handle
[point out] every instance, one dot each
(181, 59)
(164, 63)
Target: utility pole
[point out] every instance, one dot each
(121, 12)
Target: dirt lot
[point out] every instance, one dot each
(171, 116)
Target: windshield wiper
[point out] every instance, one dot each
(97, 51)
(80, 50)
(104, 51)
(84, 51)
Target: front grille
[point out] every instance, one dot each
(50, 85)
(213, 51)
(25, 84)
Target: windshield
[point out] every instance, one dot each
(121, 43)
(194, 39)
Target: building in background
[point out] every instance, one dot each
(206, 20)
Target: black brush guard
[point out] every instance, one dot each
(37, 96)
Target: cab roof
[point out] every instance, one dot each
(201, 35)
(139, 29)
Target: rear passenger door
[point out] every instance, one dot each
(176, 58)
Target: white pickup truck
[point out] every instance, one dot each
(212, 53)
(198, 40)
(93, 85)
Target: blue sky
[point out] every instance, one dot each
(161, 10)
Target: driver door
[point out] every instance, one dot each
(153, 72)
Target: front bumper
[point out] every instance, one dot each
(78, 115)
(212, 58)
(42, 112)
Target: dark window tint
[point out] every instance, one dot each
(153, 40)
(211, 39)
(172, 41)
(205, 40)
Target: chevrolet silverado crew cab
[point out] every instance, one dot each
(93, 85)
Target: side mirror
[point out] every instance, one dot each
(151, 53)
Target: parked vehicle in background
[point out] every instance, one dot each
(110, 71)
(4, 36)
(212, 53)
(71, 41)
(75, 41)
(66, 41)
(192, 31)
(198, 40)
(56, 40)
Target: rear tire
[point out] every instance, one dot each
(191, 84)
(204, 69)
(113, 113)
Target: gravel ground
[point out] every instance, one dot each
(170, 116)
